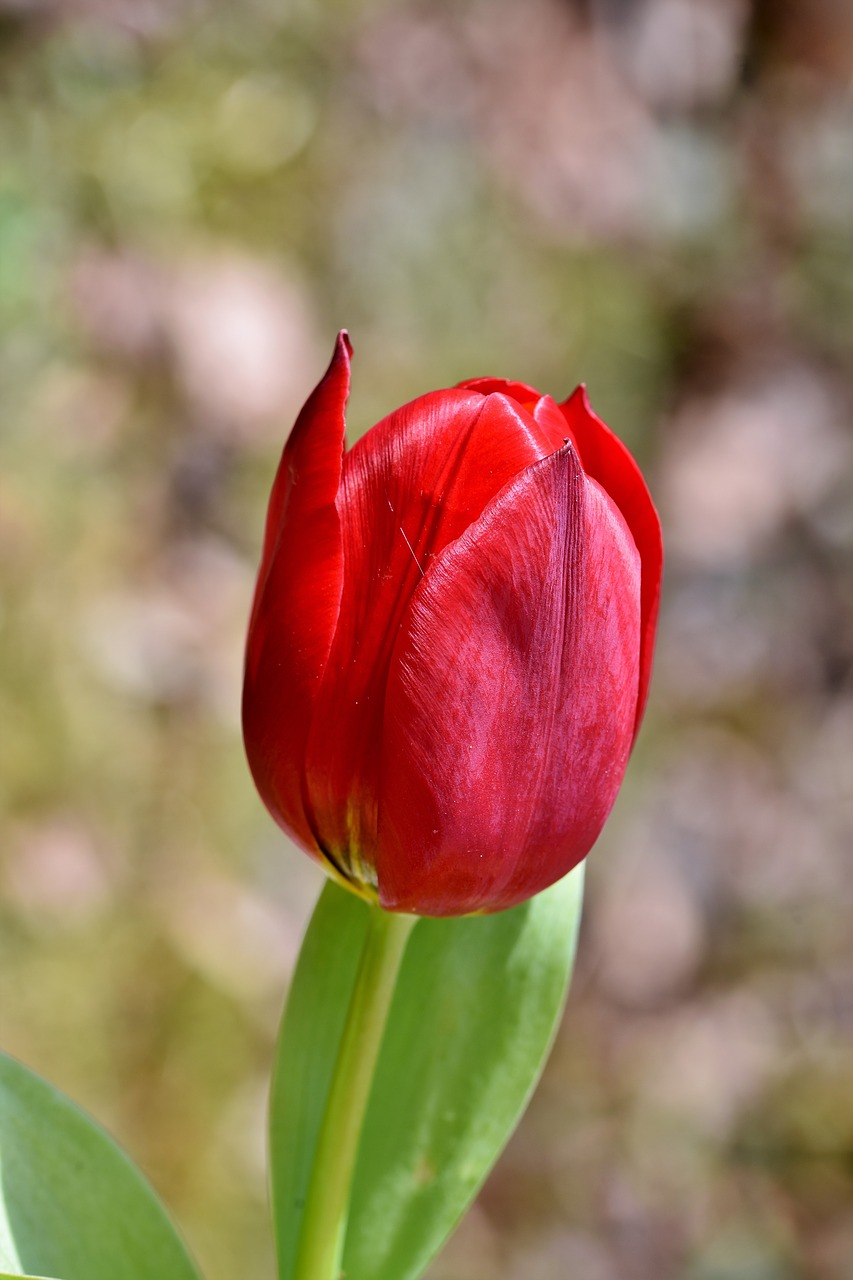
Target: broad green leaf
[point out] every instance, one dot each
(473, 1018)
(72, 1205)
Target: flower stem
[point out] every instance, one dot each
(327, 1201)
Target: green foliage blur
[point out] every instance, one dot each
(655, 198)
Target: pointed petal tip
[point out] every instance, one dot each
(580, 396)
(340, 365)
(343, 345)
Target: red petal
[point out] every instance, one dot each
(297, 599)
(511, 699)
(410, 486)
(606, 459)
(519, 391)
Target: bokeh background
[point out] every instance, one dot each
(653, 197)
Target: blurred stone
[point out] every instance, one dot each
(753, 1249)
(646, 1238)
(815, 154)
(679, 54)
(736, 827)
(564, 127)
(25, 8)
(743, 462)
(663, 1162)
(217, 586)
(716, 640)
(564, 1253)
(776, 627)
(57, 876)
(19, 531)
(707, 1063)
(238, 940)
(244, 343)
(242, 1138)
(145, 643)
(821, 757)
(833, 1249)
(83, 409)
(819, 1005)
(413, 62)
(145, 17)
(180, 638)
(119, 301)
(646, 932)
(237, 334)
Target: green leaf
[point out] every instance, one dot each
(72, 1205)
(476, 1008)
(6, 1275)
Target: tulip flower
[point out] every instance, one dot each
(451, 641)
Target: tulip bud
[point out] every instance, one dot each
(451, 641)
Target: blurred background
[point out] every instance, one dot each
(655, 197)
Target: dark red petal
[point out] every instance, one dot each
(606, 459)
(297, 599)
(511, 699)
(410, 486)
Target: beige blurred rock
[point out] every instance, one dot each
(244, 343)
(679, 54)
(743, 828)
(740, 463)
(565, 129)
(179, 635)
(411, 62)
(547, 95)
(145, 642)
(833, 1248)
(241, 1141)
(815, 154)
(142, 17)
(646, 932)
(57, 875)
(665, 1171)
(242, 943)
(822, 761)
(237, 333)
(216, 584)
(563, 1253)
(84, 409)
(118, 299)
(706, 1063)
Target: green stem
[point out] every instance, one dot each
(327, 1201)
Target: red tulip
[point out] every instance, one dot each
(451, 641)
